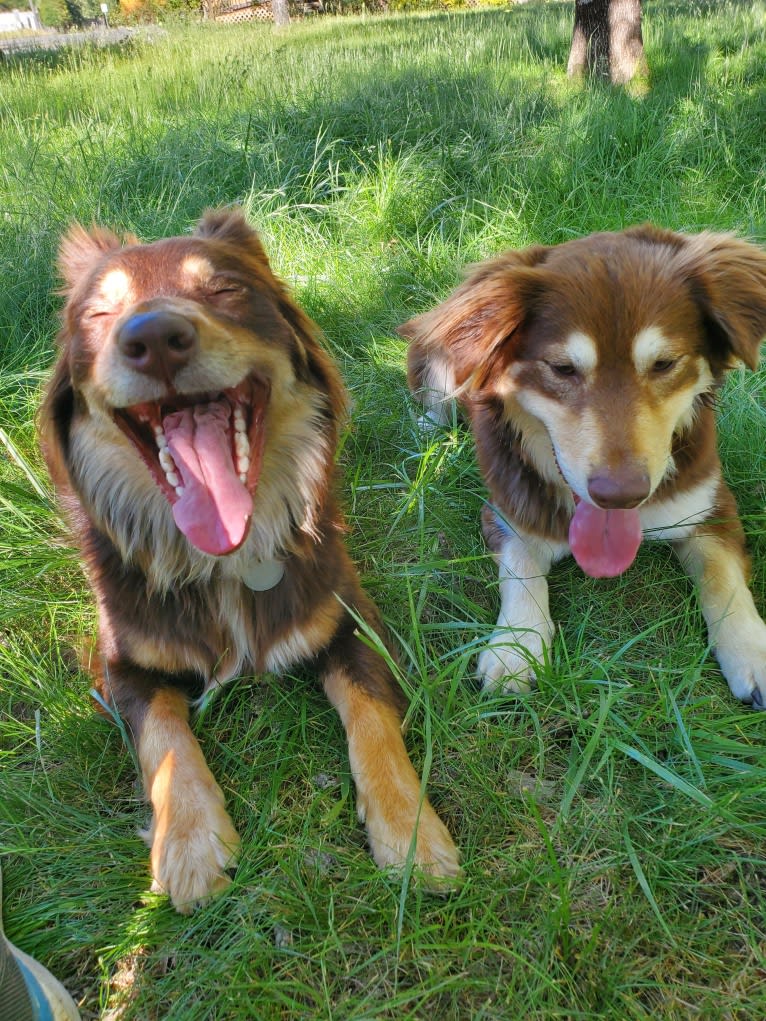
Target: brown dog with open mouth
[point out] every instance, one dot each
(190, 428)
(588, 372)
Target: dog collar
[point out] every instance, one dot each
(262, 575)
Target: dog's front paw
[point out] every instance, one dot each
(432, 421)
(742, 660)
(192, 847)
(507, 665)
(390, 836)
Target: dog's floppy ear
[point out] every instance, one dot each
(728, 277)
(231, 227)
(55, 416)
(81, 249)
(470, 328)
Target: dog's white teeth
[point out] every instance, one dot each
(162, 444)
(168, 465)
(241, 444)
(179, 490)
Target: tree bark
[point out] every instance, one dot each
(606, 41)
(280, 12)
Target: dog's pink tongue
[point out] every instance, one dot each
(214, 510)
(604, 542)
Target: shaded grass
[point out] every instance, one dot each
(611, 824)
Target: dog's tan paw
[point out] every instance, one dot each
(192, 852)
(504, 667)
(435, 853)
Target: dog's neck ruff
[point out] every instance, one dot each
(262, 575)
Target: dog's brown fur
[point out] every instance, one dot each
(174, 620)
(588, 372)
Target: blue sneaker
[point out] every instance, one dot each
(28, 992)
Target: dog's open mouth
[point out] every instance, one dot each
(204, 451)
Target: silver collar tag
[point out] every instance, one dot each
(262, 575)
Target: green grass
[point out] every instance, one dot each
(612, 824)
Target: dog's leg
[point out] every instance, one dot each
(524, 627)
(389, 801)
(718, 564)
(192, 838)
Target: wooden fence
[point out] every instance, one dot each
(259, 10)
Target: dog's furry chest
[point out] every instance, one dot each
(217, 628)
(258, 631)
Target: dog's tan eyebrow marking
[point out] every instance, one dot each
(580, 350)
(115, 286)
(649, 346)
(197, 267)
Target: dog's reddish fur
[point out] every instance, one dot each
(173, 620)
(588, 372)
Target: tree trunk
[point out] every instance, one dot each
(280, 12)
(607, 41)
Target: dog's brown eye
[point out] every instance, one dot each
(663, 365)
(562, 368)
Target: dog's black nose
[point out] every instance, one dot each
(620, 489)
(157, 343)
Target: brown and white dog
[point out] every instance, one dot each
(190, 428)
(588, 372)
